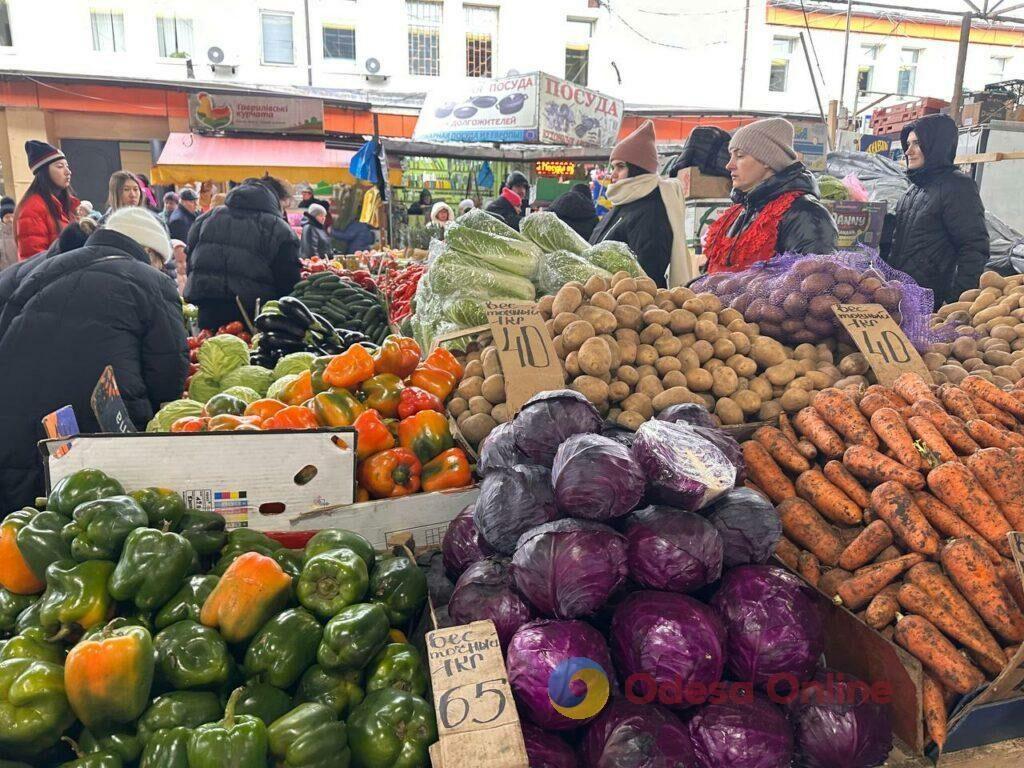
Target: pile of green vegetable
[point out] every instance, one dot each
(344, 304)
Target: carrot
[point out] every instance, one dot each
(840, 413)
(1011, 580)
(804, 526)
(858, 590)
(873, 402)
(889, 427)
(922, 640)
(810, 568)
(831, 579)
(786, 428)
(934, 705)
(894, 504)
(948, 523)
(1017, 454)
(882, 609)
(955, 486)
(979, 581)
(990, 393)
(990, 413)
(807, 449)
(783, 451)
(788, 553)
(911, 387)
(889, 553)
(847, 533)
(950, 427)
(958, 402)
(763, 470)
(809, 424)
(813, 486)
(840, 477)
(870, 465)
(868, 545)
(936, 447)
(1002, 480)
(930, 578)
(984, 434)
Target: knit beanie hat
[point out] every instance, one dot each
(142, 227)
(639, 148)
(40, 154)
(316, 210)
(770, 141)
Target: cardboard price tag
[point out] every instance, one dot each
(527, 354)
(878, 337)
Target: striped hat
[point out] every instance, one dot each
(40, 154)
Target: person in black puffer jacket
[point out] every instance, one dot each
(576, 208)
(71, 316)
(940, 238)
(242, 249)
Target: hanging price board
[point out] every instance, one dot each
(527, 354)
(881, 341)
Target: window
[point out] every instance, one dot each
(5, 25)
(907, 80)
(998, 67)
(278, 45)
(424, 18)
(481, 34)
(339, 42)
(107, 31)
(782, 51)
(866, 71)
(174, 37)
(577, 50)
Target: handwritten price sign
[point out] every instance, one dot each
(527, 354)
(881, 341)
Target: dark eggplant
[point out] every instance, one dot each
(295, 309)
(281, 324)
(272, 340)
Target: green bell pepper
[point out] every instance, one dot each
(162, 505)
(204, 531)
(263, 701)
(187, 602)
(290, 561)
(317, 373)
(41, 541)
(340, 691)
(283, 649)
(400, 586)
(123, 742)
(309, 736)
(242, 540)
(84, 485)
(100, 527)
(238, 741)
(353, 637)
(167, 748)
(34, 709)
(189, 655)
(31, 643)
(337, 407)
(28, 618)
(399, 666)
(151, 569)
(100, 759)
(382, 393)
(119, 622)
(76, 595)
(186, 709)
(11, 606)
(391, 729)
(331, 581)
(336, 538)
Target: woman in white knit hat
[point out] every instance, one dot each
(776, 202)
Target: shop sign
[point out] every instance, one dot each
(556, 169)
(254, 114)
(527, 354)
(572, 115)
(878, 337)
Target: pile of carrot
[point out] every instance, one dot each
(896, 503)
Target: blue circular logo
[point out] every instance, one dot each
(578, 706)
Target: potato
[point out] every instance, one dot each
(793, 399)
(769, 410)
(563, 321)
(595, 390)
(630, 420)
(595, 357)
(646, 354)
(990, 279)
(595, 284)
(652, 333)
(996, 357)
(657, 316)
(490, 361)
(974, 363)
(818, 379)
(724, 349)
(682, 321)
(803, 366)
(576, 333)
(744, 366)
(568, 299)
(501, 413)
(629, 284)
(761, 387)
(703, 350)
(629, 298)
(544, 306)
(767, 352)
(964, 348)
(711, 302)
(603, 300)
(725, 381)
(628, 375)
(494, 389)
(477, 427)
(688, 359)
(628, 317)
(613, 349)
(470, 387)
(728, 315)
(699, 380)
(627, 334)
(461, 418)
(748, 401)
(556, 342)
(457, 406)
(474, 368)
(709, 317)
(855, 380)
(805, 352)
(713, 364)
(627, 352)
(650, 386)
(667, 364)
(572, 365)
(668, 346)
(728, 411)
(681, 295)
(479, 404)
(674, 396)
(639, 403)
(854, 365)
(646, 370)
(1006, 372)
(618, 391)
(602, 320)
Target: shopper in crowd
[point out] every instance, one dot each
(180, 264)
(776, 208)
(123, 191)
(207, 189)
(8, 245)
(308, 198)
(940, 238)
(218, 199)
(84, 210)
(243, 251)
(315, 239)
(171, 201)
(99, 305)
(576, 208)
(422, 206)
(180, 222)
(466, 205)
(648, 211)
(515, 194)
(48, 204)
(355, 236)
(442, 214)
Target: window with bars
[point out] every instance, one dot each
(107, 31)
(424, 19)
(278, 41)
(5, 25)
(577, 50)
(174, 37)
(481, 35)
(339, 42)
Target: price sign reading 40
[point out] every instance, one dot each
(881, 341)
(529, 362)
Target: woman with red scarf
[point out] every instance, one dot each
(776, 202)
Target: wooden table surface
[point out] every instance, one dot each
(1005, 754)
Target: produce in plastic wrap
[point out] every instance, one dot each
(613, 256)
(561, 267)
(485, 591)
(511, 502)
(462, 544)
(171, 412)
(253, 376)
(454, 273)
(629, 735)
(672, 550)
(548, 419)
(569, 568)
(295, 362)
(478, 219)
(545, 649)
(741, 734)
(550, 233)
(683, 469)
(688, 413)
(520, 257)
(749, 526)
(620, 435)
(772, 624)
(596, 478)
(727, 444)
(547, 750)
(498, 450)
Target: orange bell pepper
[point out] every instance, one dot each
(299, 390)
(349, 369)
(373, 435)
(264, 409)
(445, 360)
(398, 355)
(292, 417)
(15, 574)
(227, 422)
(392, 473)
(436, 381)
(108, 675)
(426, 434)
(251, 591)
(449, 469)
(362, 494)
(191, 424)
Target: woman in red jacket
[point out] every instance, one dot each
(49, 204)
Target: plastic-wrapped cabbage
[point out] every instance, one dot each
(253, 376)
(276, 391)
(219, 355)
(296, 362)
(508, 254)
(171, 412)
(467, 312)
(614, 256)
(561, 267)
(248, 394)
(683, 468)
(458, 274)
(552, 234)
(203, 386)
(478, 219)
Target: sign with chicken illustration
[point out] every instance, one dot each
(254, 114)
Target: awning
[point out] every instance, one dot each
(188, 157)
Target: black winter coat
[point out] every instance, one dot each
(315, 240)
(505, 211)
(577, 210)
(180, 222)
(68, 318)
(243, 248)
(642, 225)
(940, 238)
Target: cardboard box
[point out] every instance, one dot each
(697, 186)
(986, 109)
(858, 223)
(811, 144)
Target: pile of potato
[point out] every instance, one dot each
(478, 405)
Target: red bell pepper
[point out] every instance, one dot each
(413, 400)
(373, 435)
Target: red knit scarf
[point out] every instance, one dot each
(756, 243)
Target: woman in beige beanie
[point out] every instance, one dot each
(776, 202)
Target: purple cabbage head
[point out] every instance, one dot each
(569, 568)
(485, 591)
(683, 469)
(462, 544)
(547, 750)
(749, 526)
(741, 734)
(772, 624)
(541, 648)
(548, 419)
(596, 478)
(618, 434)
(499, 450)
(688, 413)
(672, 550)
(727, 444)
(511, 502)
(628, 735)
(669, 641)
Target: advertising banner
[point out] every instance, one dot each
(254, 114)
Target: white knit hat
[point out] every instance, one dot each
(316, 210)
(142, 227)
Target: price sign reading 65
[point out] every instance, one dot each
(479, 703)
(528, 359)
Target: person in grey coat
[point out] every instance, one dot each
(315, 239)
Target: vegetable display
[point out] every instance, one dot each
(345, 305)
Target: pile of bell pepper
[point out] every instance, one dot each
(137, 631)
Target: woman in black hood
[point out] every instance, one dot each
(940, 238)
(576, 208)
